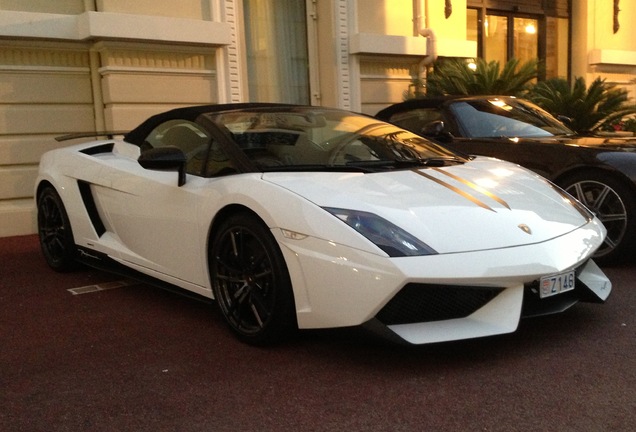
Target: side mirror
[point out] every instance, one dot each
(435, 129)
(565, 120)
(167, 158)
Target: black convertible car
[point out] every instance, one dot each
(600, 171)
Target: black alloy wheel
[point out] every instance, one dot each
(250, 281)
(614, 206)
(54, 230)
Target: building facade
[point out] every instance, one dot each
(92, 65)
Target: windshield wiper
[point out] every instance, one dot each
(440, 161)
(564, 135)
(370, 166)
(317, 168)
(437, 161)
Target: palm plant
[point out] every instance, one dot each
(598, 106)
(456, 77)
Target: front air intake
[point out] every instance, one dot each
(424, 303)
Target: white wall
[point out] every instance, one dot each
(45, 90)
(65, 67)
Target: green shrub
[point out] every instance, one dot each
(597, 107)
(457, 77)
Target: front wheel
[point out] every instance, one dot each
(54, 230)
(612, 202)
(250, 281)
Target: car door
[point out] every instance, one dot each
(154, 220)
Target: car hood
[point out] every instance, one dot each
(609, 142)
(483, 204)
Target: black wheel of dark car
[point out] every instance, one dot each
(54, 230)
(612, 202)
(250, 281)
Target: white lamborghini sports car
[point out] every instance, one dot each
(308, 217)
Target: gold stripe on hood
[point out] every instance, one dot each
(464, 194)
(475, 186)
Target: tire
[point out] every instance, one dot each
(250, 281)
(614, 204)
(55, 233)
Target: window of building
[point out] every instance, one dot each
(509, 36)
(276, 51)
(557, 47)
(473, 25)
(501, 36)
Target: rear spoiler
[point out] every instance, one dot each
(107, 134)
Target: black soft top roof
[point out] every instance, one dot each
(429, 102)
(190, 113)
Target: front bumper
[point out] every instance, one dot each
(434, 298)
(420, 316)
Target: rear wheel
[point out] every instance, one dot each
(612, 202)
(54, 230)
(250, 281)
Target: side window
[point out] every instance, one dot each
(417, 119)
(188, 136)
(218, 163)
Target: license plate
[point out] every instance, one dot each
(557, 283)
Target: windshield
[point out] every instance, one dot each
(505, 117)
(317, 138)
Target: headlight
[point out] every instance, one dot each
(390, 238)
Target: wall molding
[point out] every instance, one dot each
(342, 54)
(383, 68)
(367, 43)
(26, 57)
(155, 60)
(114, 70)
(231, 77)
(612, 57)
(116, 26)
